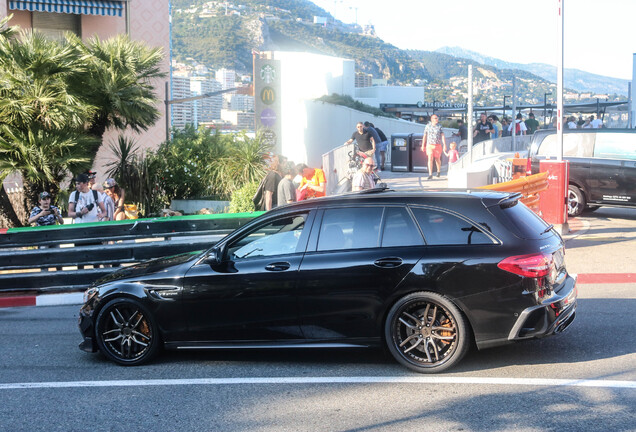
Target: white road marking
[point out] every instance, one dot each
(329, 380)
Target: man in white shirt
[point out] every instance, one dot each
(363, 179)
(84, 202)
(597, 123)
(519, 126)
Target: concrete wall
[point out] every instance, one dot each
(329, 126)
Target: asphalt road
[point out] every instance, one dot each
(584, 379)
(48, 384)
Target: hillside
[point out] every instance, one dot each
(576, 79)
(220, 34)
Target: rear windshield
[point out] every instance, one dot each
(521, 221)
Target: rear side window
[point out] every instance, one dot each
(574, 145)
(399, 229)
(615, 146)
(441, 228)
(350, 228)
(521, 221)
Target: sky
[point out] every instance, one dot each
(599, 36)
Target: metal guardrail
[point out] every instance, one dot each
(56, 258)
(529, 187)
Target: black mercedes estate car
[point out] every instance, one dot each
(427, 274)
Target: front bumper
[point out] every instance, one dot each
(86, 329)
(552, 316)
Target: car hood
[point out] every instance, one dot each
(163, 267)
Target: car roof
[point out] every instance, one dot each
(412, 196)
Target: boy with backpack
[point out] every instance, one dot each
(519, 126)
(83, 202)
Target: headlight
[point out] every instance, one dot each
(89, 293)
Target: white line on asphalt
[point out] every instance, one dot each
(329, 380)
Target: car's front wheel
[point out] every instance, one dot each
(126, 332)
(426, 332)
(576, 201)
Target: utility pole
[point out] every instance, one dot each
(469, 120)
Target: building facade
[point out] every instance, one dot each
(143, 20)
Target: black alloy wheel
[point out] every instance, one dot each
(426, 332)
(126, 332)
(576, 201)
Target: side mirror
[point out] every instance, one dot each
(213, 257)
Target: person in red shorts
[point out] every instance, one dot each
(434, 142)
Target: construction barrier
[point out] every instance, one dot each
(529, 187)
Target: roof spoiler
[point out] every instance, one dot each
(506, 202)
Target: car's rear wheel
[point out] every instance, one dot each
(426, 332)
(576, 201)
(126, 332)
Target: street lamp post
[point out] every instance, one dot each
(545, 106)
(504, 105)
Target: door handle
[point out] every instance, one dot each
(277, 266)
(388, 262)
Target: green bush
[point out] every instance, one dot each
(242, 198)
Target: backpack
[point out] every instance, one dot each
(517, 128)
(77, 197)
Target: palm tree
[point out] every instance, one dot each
(41, 121)
(119, 82)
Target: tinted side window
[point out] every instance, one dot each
(441, 228)
(615, 146)
(574, 145)
(350, 228)
(278, 237)
(399, 229)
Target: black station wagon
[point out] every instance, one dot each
(426, 274)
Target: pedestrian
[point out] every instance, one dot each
(598, 122)
(364, 139)
(286, 192)
(83, 202)
(572, 123)
(109, 204)
(495, 133)
(462, 130)
(118, 195)
(44, 213)
(504, 127)
(452, 154)
(381, 145)
(497, 124)
(482, 130)
(313, 184)
(270, 185)
(519, 126)
(363, 179)
(434, 142)
(531, 124)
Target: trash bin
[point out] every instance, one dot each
(419, 160)
(400, 152)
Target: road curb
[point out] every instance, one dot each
(74, 298)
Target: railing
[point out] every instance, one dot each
(488, 147)
(71, 257)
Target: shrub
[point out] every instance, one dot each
(242, 198)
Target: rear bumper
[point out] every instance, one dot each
(552, 316)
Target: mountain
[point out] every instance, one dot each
(224, 34)
(576, 79)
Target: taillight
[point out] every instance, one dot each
(533, 265)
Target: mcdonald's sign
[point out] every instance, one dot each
(268, 95)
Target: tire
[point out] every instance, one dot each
(426, 332)
(126, 332)
(576, 201)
